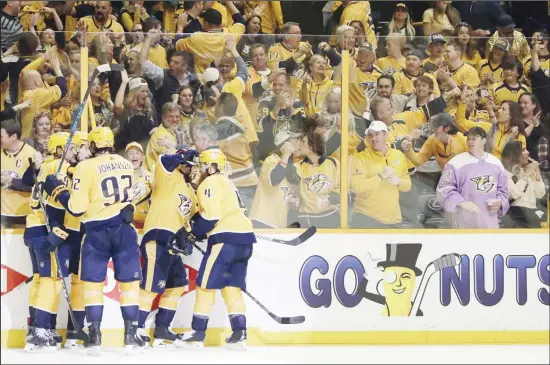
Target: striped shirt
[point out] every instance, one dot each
(10, 30)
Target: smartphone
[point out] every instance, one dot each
(539, 39)
(482, 93)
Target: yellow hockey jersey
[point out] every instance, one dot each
(15, 203)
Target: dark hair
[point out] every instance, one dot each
(249, 20)
(229, 104)
(315, 141)
(388, 77)
(27, 44)
(187, 5)
(516, 119)
(187, 58)
(425, 80)
(151, 23)
(193, 91)
(511, 155)
(471, 47)
(11, 127)
(510, 62)
(534, 100)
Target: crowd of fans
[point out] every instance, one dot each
(238, 75)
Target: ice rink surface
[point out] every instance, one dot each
(456, 354)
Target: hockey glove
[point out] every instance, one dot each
(180, 243)
(53, 186)
(127, 214)
(56, 238)
(188, 156)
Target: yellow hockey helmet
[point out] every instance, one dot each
(102, 137)
(211, 156)
(58, 139)
(80, 138)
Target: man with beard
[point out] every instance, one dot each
(101, 21)
(404, 80)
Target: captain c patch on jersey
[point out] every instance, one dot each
(318, 183)
(485, 183)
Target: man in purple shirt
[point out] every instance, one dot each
(474, 186)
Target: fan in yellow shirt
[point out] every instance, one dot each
(490, 70)
(165, 138)
(291, 52)
(102, 21)
(378, 175)
(357, 11)
(209, 45)
(272, 17)
(510, 89)
(394, 61)
(315, 86)
(404, 80)
(143, 181)
(464, 34)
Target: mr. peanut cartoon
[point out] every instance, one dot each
(398, 274)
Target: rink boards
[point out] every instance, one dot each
(498, 293)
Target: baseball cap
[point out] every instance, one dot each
(416, 53)
(211, 74)
(436, 37)
(377, 126)
(401, 6)
(502, 44)
(505, 21)
(136, 82)
(212, 16)
(133, 145)
(476, 131)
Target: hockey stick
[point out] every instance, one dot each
(281, 320)
(293, 242)
(81, 335)
(98, 70)
(437, 265)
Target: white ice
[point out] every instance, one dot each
(455, 354)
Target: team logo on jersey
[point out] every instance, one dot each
(318, 183)
(289, 194)
(161, 284)
(185, 204)
(369, 87)
(8, 175)
(485, 183)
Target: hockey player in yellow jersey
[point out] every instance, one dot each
(43, 241)
(230, 239)
(173, 204)
(101, 195)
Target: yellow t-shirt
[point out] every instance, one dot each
(42, 99)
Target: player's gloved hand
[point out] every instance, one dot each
(53, 186)
(188, 156)
(180, 243)
(56, 238)
(127, 214)
(71, 169)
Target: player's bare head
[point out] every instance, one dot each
(10, 133)
(226, 105)
(204, 135)
(32, 80)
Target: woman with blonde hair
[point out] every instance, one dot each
(135, 112)
(525, 186)
(316, 85)
(442, 17)
(401, 22)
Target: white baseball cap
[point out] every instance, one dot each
(377, 126)
(211, 74)
(136, 82)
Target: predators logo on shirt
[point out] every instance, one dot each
(185, 204)
(485, 183)
(318, 183)
(289, 197)
(370, 88)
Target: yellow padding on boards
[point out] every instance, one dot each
(233, 298)
(146, 300)
(129, 293)
(47, 296)
(93, 293)
(33, 290)
(205, 301)
(171, 297)
(77, 293)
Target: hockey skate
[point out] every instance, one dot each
(72, 341)
(166, 338)
(144, 336)
(193, 339)
(237, 341)
(133, 343)
(41, 340)
(57, 338)
(94, 333)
